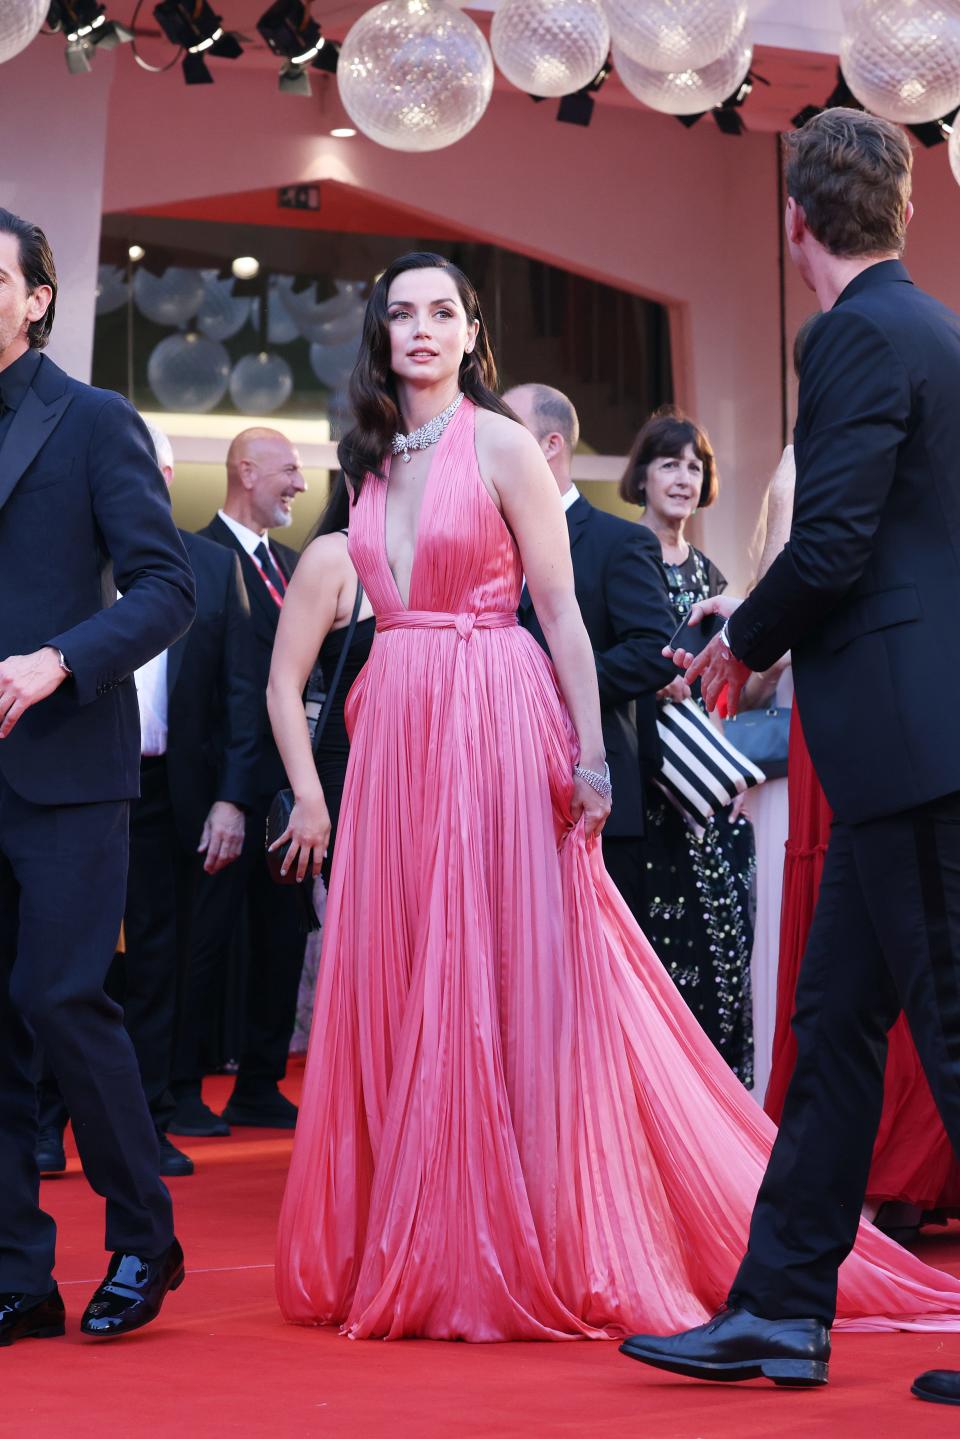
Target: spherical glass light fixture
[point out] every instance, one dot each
(953, 150)
(685, 92)
(550, 47)
(676, 35)
(172, 298)
(189, 373)
(20, 22)
(901, 58)
(415, 75)
(260, 383)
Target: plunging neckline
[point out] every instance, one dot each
(427, 484)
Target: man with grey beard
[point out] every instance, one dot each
(264, 477)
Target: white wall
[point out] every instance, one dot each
(54, 130)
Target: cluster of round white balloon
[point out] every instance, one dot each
(418, 74)
(191, 369)
(901, 59)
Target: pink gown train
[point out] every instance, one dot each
(511, 1125)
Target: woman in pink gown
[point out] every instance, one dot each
(511, 1127)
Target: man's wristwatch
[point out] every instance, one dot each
(725, 636)
(63, 664)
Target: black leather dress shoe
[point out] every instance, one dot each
(196, 1120)
(31, 1316)
(271, 1110)
(739, 1345)
(51, 1158)
(173, 1162)
(132, 1293)
(938, 1386)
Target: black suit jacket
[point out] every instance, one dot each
(213, 695)
(265, 616)
(81, 501)
(619, 586)
(867, 592)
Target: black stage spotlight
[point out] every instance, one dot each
(194, 26)
(577, 109)
(841, 94)
(294, 35)
(934, 132)
(87, 29)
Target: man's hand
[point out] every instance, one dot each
(25, 680)
(722, 675)
(719, 605)
(222, 837)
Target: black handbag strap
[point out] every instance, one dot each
(327, 705)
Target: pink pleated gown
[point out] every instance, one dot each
(511, 1127)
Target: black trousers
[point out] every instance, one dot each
(62, 881)
(624, 860)
(276, 949)
(146, 979)
(886, 936)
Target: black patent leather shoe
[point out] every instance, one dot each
(938, 1386)
(31, 1316)
(51, 1158)
(269, 1110)
(173, 1162)
(132, 1293)
(739, 1345)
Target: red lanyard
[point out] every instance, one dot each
(275, 594)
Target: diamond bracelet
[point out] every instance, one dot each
(600, 782)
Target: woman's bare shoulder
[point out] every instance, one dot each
(324, 555)
(505, 447)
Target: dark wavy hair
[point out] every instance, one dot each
(335, 515)
(36, 263)
(665, 435)
(373, 394)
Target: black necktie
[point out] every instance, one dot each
(270, 570)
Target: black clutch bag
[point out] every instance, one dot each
(763, 736)
(278, 817)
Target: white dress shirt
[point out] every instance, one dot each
(248, 538)
(151, 682)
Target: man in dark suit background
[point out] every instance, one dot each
(866, 595)
(619, 586)
(199, 706)
(80, 498)
(263, 479)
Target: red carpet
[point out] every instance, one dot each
(220, 1361)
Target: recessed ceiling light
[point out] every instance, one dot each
(343, 132)
(246, 267)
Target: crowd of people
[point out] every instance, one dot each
(526, 1108)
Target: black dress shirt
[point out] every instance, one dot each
(15, 381)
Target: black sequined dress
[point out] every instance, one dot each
(699, 891)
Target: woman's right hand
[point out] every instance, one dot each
(723, 605)
(308, 835)
(677, 690)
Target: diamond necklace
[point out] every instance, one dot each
(428, 434)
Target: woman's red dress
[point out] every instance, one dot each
(913, 1162)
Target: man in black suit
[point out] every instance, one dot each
(866, 596)
(80, 498)
(619, 585)
(263, 479)
(199, 707)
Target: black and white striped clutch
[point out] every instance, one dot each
(701, 772)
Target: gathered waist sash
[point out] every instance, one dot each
(464, 623)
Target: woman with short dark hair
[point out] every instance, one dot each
(697, 886)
